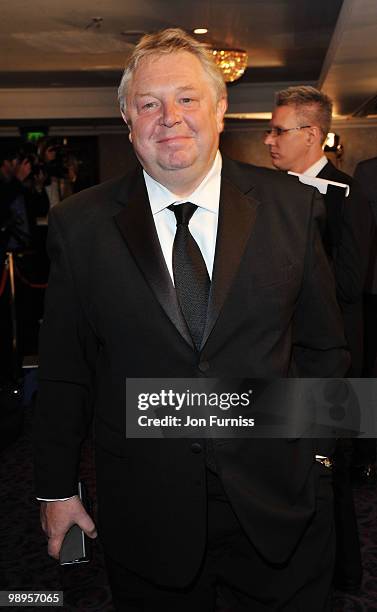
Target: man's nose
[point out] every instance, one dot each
(170, 114)
(269, 139)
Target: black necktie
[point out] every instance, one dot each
(191, 278)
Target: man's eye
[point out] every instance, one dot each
(187, 100)
(149, 105)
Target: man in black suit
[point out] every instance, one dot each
(300, 123)
(347, 235)
(179, 518)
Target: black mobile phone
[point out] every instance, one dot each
(76, 547)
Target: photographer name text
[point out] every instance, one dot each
(189, 421)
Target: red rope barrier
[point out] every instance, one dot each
(28, 283)
(3, 281)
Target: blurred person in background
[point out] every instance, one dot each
(300, 123)
(299, 126)
(61, 167)
(22, 201)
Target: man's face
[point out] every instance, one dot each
(290, 150)
(6, 170)
(174, 118)
(50, 154)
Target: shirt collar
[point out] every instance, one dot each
(316, 168)
(206, 195)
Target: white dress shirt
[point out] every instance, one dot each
(203, 224)
(316, 168)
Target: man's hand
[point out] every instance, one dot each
(58, 516)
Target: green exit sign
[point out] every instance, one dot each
(35, 136)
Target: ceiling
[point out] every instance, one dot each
(69, 47)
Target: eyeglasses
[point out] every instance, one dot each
(277, 131)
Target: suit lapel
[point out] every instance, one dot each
(237, 216)
(236, 220)
(135, 221)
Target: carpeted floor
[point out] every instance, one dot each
(24, 564)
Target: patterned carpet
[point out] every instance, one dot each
(24, 563)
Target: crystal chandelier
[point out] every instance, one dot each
(232, 62)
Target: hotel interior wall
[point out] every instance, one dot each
(242, 140)
(245, 144)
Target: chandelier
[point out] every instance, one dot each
(232, 62)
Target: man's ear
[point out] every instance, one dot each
(221, 107)
(314, 135)
(128, 124)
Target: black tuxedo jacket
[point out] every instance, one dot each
(111, 312)
(366, 176)
(348, 240)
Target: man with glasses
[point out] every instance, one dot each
(299, 125)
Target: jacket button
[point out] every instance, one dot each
(196, 448)
(203, 366)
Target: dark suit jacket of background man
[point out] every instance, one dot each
(366, 175)
(111, 312)
(349, 237)
(347, 242)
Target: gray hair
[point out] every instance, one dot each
(312, 105)
(167, 41)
